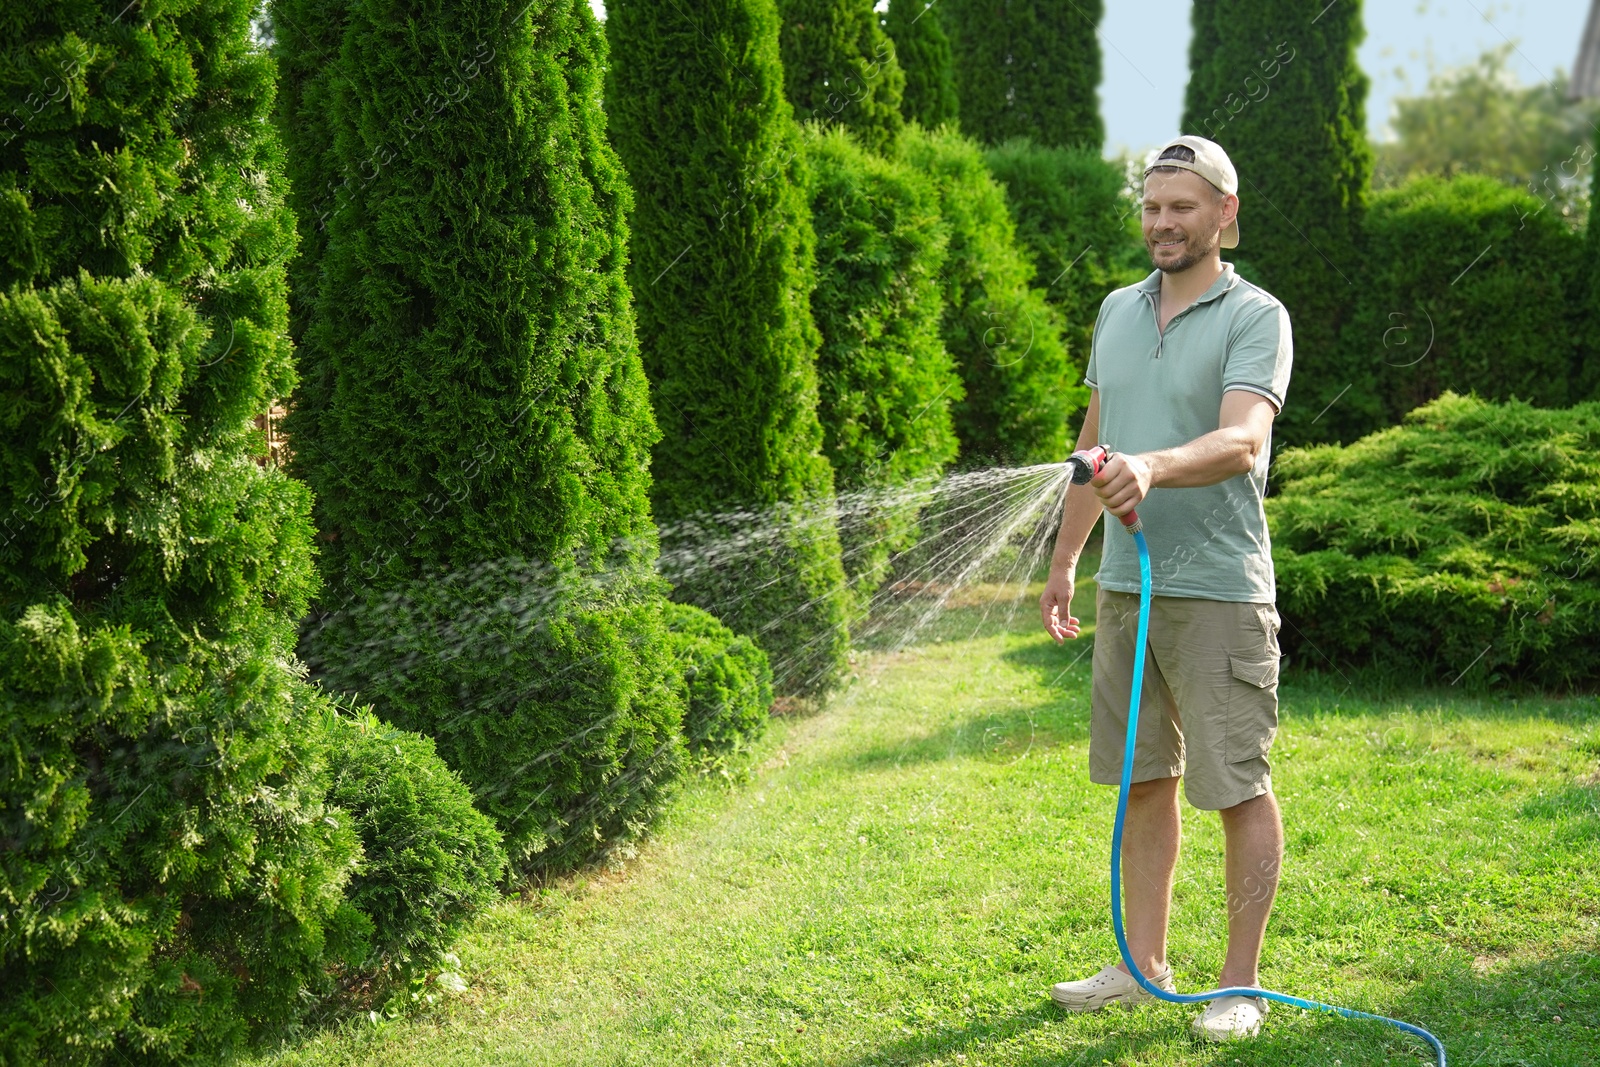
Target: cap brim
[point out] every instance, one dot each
(1230, 236)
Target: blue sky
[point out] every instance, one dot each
(1145, 44)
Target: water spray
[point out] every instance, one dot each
(1085, 464)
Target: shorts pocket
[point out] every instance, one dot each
(1252, 705)
(1260, 671)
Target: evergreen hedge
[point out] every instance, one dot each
(480, 462)
(722, 270)
(1460, 547)
(886, 380)
(1278, 86)
(172, 881)
(1028, 68)
(923, 49)
(840, 68)
(431, 860)
(729, 684)
(1080, 226)
(1022, 391)
(1468, 286)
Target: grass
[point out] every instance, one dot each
(902, 876)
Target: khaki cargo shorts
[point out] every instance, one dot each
(1209, 706)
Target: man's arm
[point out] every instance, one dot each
(1243, 424)
(1078, 516)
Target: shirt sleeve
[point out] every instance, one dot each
(1091, 377)
(1260, 355)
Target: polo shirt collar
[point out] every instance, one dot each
(1225, 281)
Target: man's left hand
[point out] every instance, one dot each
(1123, 483)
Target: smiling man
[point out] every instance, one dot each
(1187, 370)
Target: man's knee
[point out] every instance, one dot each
(1154, 789)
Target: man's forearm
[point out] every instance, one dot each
(1207, 460)
(1078, 517)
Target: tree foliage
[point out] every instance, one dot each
(1006, 339)
(1460, 547)
(171, 880)
(1080, 225)
(723, 268)
(729, 682)
(1278, 86)
(1469, 286)
(1479, 119)
(923, 48)
(840, 68)
(1028, 68)
(480, 456)
(887, 381)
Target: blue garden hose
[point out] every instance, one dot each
(1116, 850)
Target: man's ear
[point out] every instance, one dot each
(1230, 210)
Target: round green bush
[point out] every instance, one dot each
(431, 860)
(729, 682)
(1460, 547)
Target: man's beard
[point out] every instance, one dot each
(1192, 256)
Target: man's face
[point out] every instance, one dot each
(1182, 219)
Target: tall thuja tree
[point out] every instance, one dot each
(1278, 86)
(839, 67)
(480, 458)
(170, 879)
(887, 382)
(1007, 340)
(307, 35)
(722, 269)
(1028, 68)
(923, 48)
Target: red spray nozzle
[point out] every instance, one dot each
(1085, 464)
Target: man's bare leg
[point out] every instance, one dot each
(1150, 841)
(1254, 832)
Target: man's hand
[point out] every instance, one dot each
(1055, 606)
(1123, 483)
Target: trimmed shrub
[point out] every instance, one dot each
(885, 378)
(554, 696)
(1468, 286)
(1278, 86)
(723, 268)
(1021, 389)
(431, 859)
(171, 882)
(1028, 68)
(1080, 225)
(1459, 547)
(838, 67)
(728, 679)
(487, 409)
(923, 49)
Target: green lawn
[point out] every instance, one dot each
(904, 874)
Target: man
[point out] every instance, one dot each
(1186, 371)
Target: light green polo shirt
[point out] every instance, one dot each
(1162, 390)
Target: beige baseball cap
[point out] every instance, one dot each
(1207, 159)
